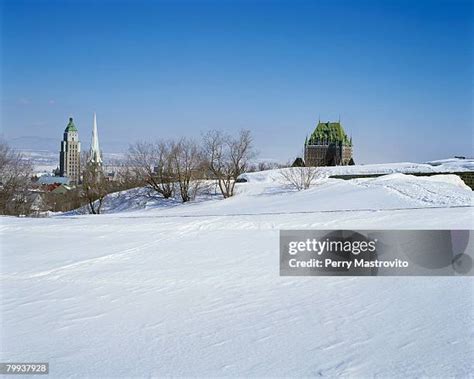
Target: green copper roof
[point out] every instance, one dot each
(331, 132)
(70, 126)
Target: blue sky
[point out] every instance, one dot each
(398, 73)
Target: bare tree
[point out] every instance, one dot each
(267, 165)
(153, 163)
(62, 202)
(15, 180)
(300, 178)
(94, 188)
(127, 177)
(262, 166)
(187, 161)
(227, 157)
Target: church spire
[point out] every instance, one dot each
(95, 157)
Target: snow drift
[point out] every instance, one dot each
(156, 288)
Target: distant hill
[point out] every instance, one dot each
(46, 160)
(35, 143)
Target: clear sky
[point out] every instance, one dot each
(399, 74)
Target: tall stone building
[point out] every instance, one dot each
(328, 145)
(70, 155)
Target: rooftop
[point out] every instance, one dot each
(70, 126)
(329, 131)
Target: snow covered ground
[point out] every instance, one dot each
(157, 288)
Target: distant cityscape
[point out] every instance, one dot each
(327, 145)
(71, 157)
(75, 176)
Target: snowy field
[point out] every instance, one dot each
(157, 288)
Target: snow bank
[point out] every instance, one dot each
(159, 289)
(143, 199)
(447, 165)
(453, 164)
(437, 190)
(267, 191)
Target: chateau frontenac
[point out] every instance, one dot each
(328, 145)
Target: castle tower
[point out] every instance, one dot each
(94, 155)
(70, 155)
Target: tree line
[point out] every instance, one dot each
(172, 168)
(180, 166)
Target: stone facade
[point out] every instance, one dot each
(328, 145)
(70, 155)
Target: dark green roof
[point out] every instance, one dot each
(329, 131)
(70, 126)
